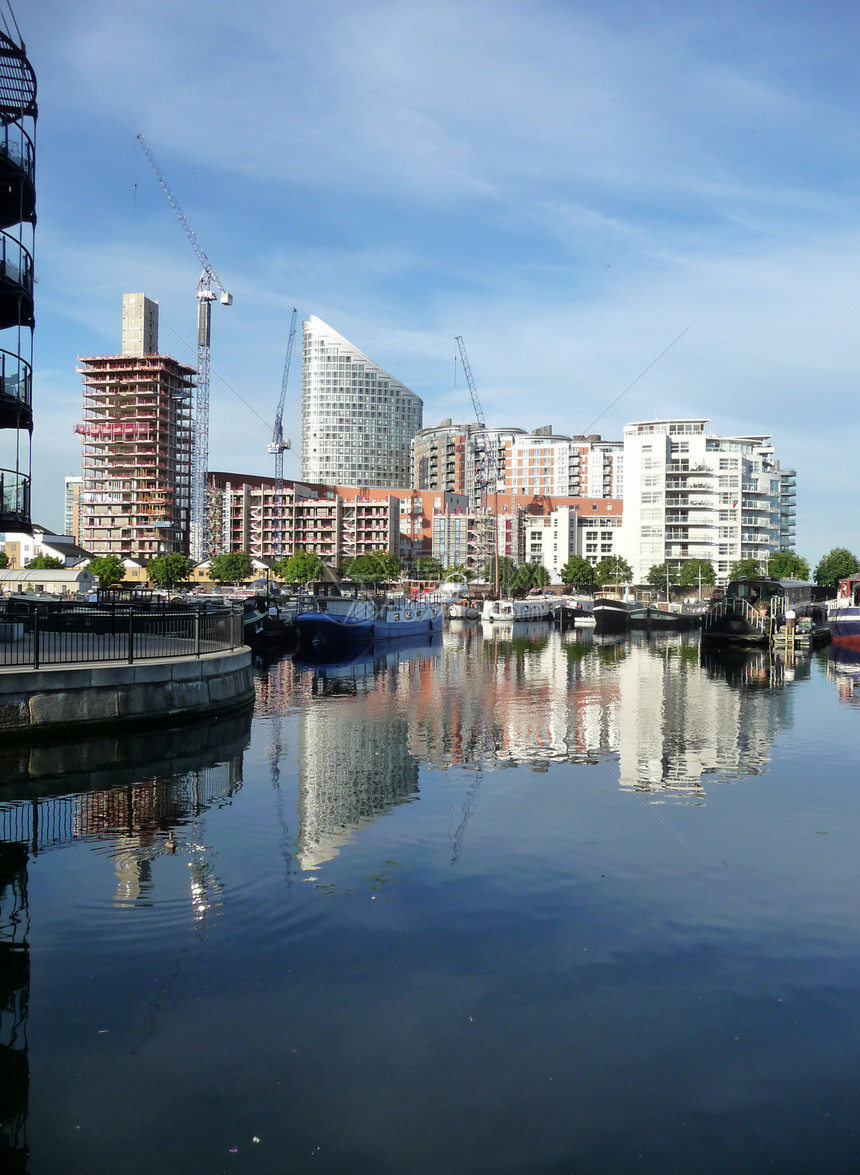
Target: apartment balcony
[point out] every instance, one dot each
(16, 283)
(16, 383)
(685, 503)
(14, 500)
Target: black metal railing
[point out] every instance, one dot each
(60, 633)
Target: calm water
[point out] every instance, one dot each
(539, 904)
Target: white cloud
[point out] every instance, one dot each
(568, 187)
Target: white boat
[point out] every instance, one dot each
(463, 609)
(532, 608)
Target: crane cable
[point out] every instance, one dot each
(229, 387)
(639, 376)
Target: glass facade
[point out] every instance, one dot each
(357, 420)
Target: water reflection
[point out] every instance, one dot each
(354, 761)
(843, 669)
(136, 820)
(580, 992)
(14, 997)
(670, 715)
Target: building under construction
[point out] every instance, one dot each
(137, 440)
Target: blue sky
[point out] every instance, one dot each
(567, 185)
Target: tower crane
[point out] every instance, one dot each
(279, 445)
(485, 467)
(205, 297)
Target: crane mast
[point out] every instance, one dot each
(486, 464)
(473, 391)
(200, 541)
(279, 445)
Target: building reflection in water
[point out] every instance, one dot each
(689, 716)
(670, 716)
(354, 759)
(138, 821)
(14, 996)
(843, 669)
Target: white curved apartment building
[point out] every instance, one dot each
(357, 420)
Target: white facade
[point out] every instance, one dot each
(554, 539)
(357, 420)
(695, 495)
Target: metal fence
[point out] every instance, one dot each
(73, 634)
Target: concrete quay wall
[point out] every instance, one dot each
(60, 699)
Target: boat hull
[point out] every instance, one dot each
(423, 622)
(611, 615)
(573, 614)
(508, 611)
(369, 623)
(735, 629)
(659, 619)
(320, 628)
(844, 625)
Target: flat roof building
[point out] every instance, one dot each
(690, 494)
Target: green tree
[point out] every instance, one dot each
(528, 576)
(234, 567)
(45, 563)
(787, 565)
(578, 572)
(427, 568)
(4, 559)
(375, 567)
(169, 570)
(507, 570)
(108, 570)
(300, 567)
(835, 565)
(660, 576)
(613, 569)
(696, 571)
(745, 569)
(391, 566)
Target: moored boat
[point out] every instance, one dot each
(532, 608)
(366, 617)
(843, 613)
(652, 616)
(611, 613)
(754, 610)
(574, 612)
(463, 609)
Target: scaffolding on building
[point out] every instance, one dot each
(137, 450)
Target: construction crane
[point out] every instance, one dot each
(279, 445)
(473, 391)
(485, 466)
(205, 297)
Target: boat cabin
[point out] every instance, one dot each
(768, 594)
(849, 591)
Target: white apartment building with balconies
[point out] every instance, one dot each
(691, 494)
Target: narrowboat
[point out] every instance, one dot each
(753, 610)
